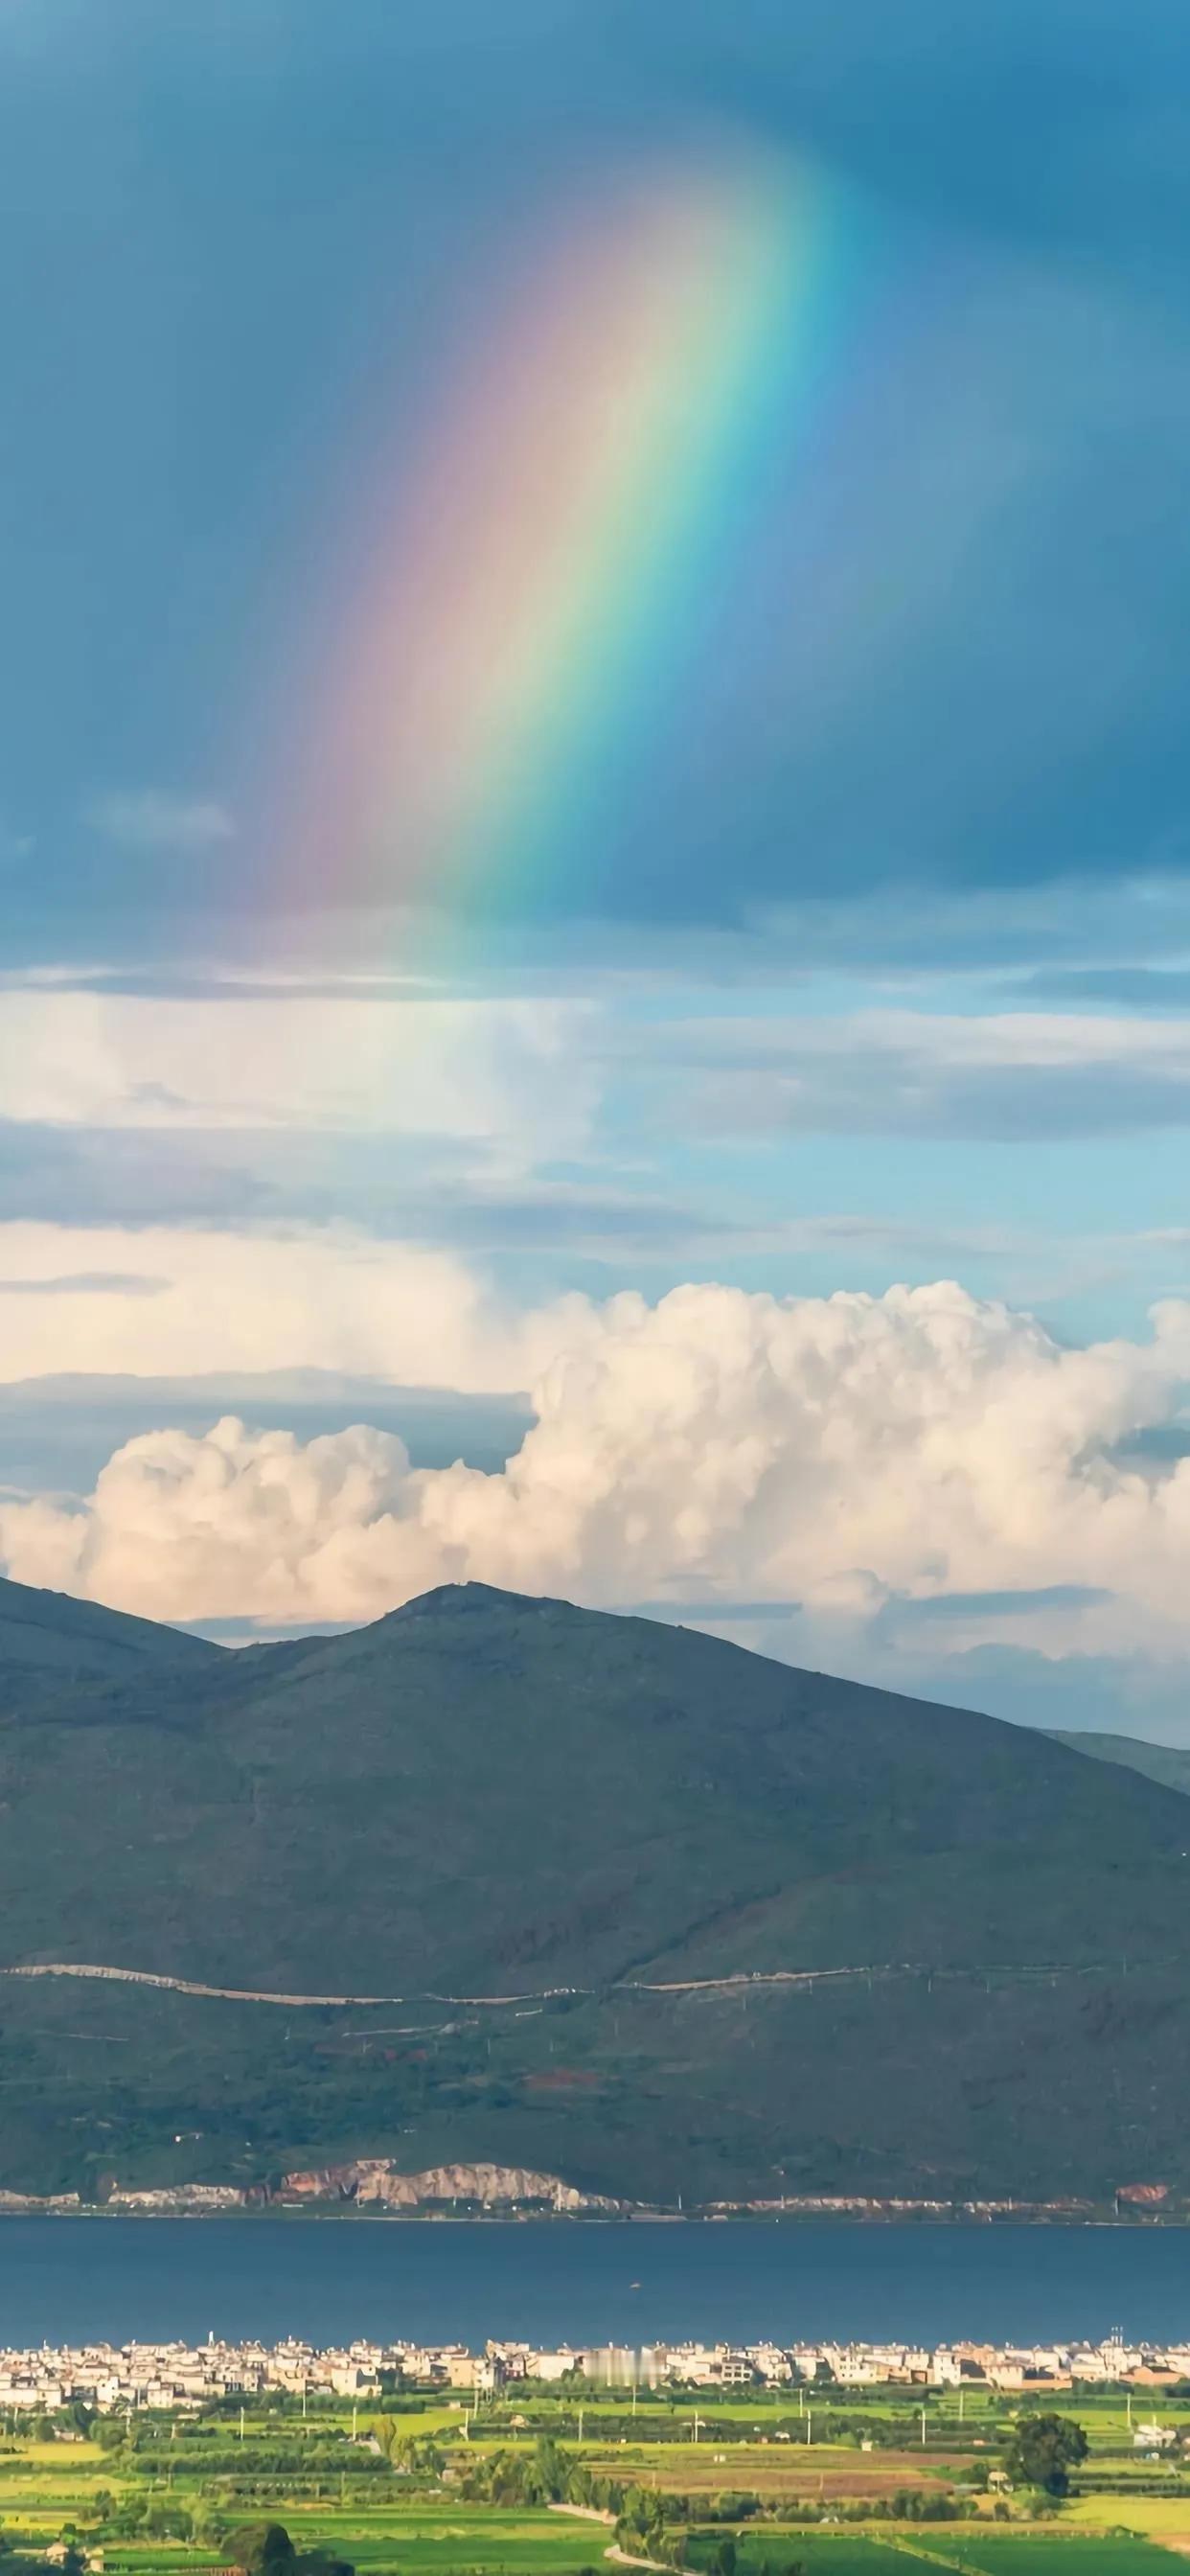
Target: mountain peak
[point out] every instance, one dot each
(463, 1599)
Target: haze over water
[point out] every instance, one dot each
(74, 2280)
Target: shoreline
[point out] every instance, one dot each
(847, 2222)
(510, 2195)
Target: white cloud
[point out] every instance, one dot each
(995, 1074)
(87, 1283)
(506, 1074)
(227, 1302)
(149, 818)
(1035, 1041)
(839, 1451)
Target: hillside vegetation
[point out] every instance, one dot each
(488, 1796)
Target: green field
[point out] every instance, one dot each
(1028, 2554)
(448, 2537)
(821, 2554)
(406, 2486)
(970, 2551)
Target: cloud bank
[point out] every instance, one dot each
(1008, 1075)
(505, 1074)
(227, 1302)
(847, 1453)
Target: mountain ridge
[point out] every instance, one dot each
(59, 1631)
(1167, 1763)
(756, 1930)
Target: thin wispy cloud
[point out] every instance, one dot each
(1002, 1077)
(88, 1283)
(149, 818)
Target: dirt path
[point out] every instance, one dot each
(740, 1982)
(260, 1995)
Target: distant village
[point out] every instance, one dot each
(122, 2378)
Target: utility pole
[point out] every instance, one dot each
(809, 2424)
(241, 2423)
(923, 2428)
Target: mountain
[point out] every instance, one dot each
(1164, 1762)
(640, 1909)
(52, 1634)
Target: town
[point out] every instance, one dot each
(409, 2457)
(112, 2378)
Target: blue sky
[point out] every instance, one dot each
(858, 956)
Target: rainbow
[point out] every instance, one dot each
(558, 550)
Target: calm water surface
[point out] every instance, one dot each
(69, 2279)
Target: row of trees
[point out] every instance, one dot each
(545, 2475)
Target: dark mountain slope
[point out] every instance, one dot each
(484, 1795)
(51, 1633)
(1167, 1763)
(482, 1784)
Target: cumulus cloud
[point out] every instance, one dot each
(843, 1452)
(149, 818)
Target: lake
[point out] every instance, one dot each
(72, 2279)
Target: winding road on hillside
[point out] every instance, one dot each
(741, 1981)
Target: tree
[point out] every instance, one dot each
(551, 2470)
(265, 2549)
(1043, 2450)
(168, 2520)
